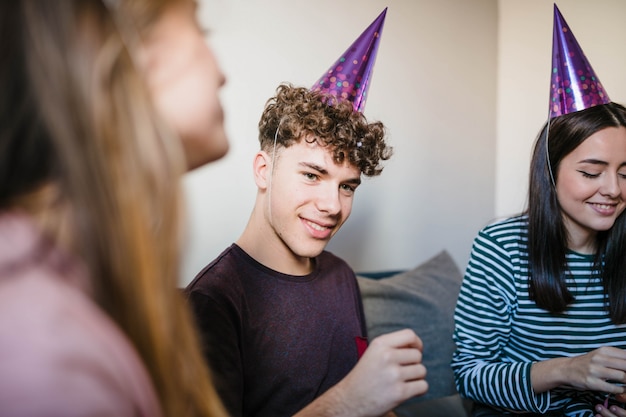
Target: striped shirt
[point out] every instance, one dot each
(500, 331)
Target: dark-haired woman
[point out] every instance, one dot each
(541, 316)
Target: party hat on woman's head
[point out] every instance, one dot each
(574, 85)
(349, 77)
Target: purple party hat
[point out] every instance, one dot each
(574, 85)
(349, 77)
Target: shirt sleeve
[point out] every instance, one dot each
(483, 319)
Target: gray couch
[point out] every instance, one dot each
(422, 299)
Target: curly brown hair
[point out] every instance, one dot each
(296, 113)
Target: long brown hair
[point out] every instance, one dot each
(547, 235)
(79, 117)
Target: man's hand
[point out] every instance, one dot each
(389, 372)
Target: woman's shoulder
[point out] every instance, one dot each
(504, 239)
(67, 356)
(65, 352)
(506, 229)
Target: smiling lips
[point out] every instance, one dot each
(606, 209)
(317, 230)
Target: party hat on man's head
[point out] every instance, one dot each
(349, 77)
(574, 85)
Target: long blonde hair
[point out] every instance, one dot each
(116, 173)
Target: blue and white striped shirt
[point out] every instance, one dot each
(500, 331)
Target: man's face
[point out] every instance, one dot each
(310, 197)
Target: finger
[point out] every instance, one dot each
(405, 374)
(408, 338)
(613, 352)
(407, 356)
(618, 411)
(607, 387)
(415, 388)
(413, 372)
(602, 411)
(399, 338)
(619, 368)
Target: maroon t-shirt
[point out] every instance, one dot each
(275, 342)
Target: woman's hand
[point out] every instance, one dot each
(604, 410)
(602, 369)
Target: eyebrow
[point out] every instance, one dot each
(324, 171)
(598, 162)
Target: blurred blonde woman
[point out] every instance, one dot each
(104, 105)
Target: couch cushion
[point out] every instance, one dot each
(452, 406)
(422, 299)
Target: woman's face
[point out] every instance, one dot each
(185, 80)
(591, 186)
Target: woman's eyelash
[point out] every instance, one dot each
(588, 175)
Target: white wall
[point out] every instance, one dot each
(434, 86)
(524, 60)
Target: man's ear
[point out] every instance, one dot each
(262, 169)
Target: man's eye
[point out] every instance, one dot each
(348, 188)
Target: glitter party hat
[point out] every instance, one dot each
(349, 77)
(574, 85)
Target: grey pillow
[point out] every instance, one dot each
(422, 299)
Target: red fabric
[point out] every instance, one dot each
(361, 345)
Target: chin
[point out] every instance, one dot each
(603, 227)
(198, 160)
(223, 151)
(310, 252)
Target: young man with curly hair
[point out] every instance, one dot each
(281, 318)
